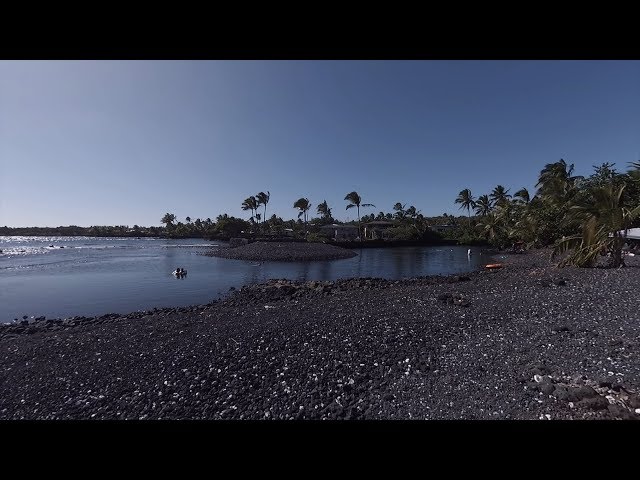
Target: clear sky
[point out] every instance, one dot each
(124, 142)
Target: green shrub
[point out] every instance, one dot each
(317, 237)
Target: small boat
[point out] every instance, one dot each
(493, 266)
(180, 273)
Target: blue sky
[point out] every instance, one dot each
(123, 142)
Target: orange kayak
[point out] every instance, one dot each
(493, 266)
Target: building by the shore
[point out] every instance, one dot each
(378, 230)
(340, 232)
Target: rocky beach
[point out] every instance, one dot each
(528, 341)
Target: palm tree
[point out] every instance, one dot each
(633, 182)
(399, 208)
(250, 203)
(168, 219)
(490, 225)
(555, 183)
(356, 201)
(523, 196)
(465, 199)
(303, 205)
(602, 216)
(634, 173)
(411, 212)
(262, 199)
(499, 195)
(324, 210)
(528, 229)
(482, 206)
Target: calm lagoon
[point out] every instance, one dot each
(67, 276)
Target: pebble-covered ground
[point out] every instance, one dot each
(529, 341)
(283, 252)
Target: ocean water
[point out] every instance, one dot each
(60, 277)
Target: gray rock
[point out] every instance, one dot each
(634, 401)
(583, 391)
(617, 411)
(547, 388)
(593, 403)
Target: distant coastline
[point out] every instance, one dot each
(75, 231)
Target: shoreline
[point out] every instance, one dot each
(526, 342)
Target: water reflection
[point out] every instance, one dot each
(99, 278)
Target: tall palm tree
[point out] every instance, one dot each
(411, 212)
(482, 206)
(465, 199)
(499, 195)
(168, 219)
(633, 183)
(356, 201)
(262, 199)
(303, 205)
(556, 183)
(324, 210)
(400, 212)
(634, 173)
(490, 225)
(602, 216)
(250, 203)
(528, 229)
(523, 196)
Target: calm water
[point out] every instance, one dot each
(93, 276)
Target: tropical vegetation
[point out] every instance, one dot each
(581, 218)
(356, 201)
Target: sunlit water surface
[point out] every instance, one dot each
(66, 276)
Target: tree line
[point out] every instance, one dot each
(576, 215)
(93, 231)
(582, 217)
(408, 223)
